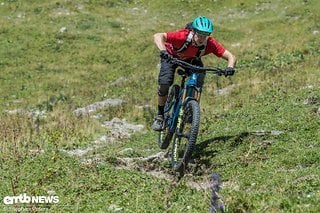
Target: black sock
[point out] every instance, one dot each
(160, 110)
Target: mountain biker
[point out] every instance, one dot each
(189, 45)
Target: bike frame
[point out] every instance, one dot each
(178, 123)
(188, 91)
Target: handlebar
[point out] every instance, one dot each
(196, 68)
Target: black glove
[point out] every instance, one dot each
(165, 55)
(229, 71)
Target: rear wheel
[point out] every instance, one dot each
(165, 135)
(185, 136)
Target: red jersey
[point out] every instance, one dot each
(176, 39)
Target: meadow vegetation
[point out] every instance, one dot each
(259, 128)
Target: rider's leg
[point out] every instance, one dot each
(163, 91)
(165, 80)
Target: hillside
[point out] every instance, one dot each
(79, 79)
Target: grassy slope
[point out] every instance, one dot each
(44, 69)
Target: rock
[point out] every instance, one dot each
(114, 208)
(97, 106)
(63, 30)
(78, 152)
(121, 128)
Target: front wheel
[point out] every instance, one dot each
(186, 136)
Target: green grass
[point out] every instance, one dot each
(262, 137)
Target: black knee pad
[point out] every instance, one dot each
(163, 89)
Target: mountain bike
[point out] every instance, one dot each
(182, 114)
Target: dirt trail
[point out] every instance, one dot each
(119, 129)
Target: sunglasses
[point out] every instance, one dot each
(202, 34)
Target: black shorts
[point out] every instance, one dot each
(167, 71)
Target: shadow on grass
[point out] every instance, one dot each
(202, 154)
(237, 140)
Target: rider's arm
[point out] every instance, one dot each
(160, 40)
(232, 60)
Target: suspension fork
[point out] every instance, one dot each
(183, 85)
(197, 93)
(193, 92)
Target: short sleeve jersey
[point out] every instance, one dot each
(176, 39)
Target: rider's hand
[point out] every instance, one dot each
(229, 71)
(165, 55)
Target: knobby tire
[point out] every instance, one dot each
(185, 136)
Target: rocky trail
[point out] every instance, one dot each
(119, 129)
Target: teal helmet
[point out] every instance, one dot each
(202, 25)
